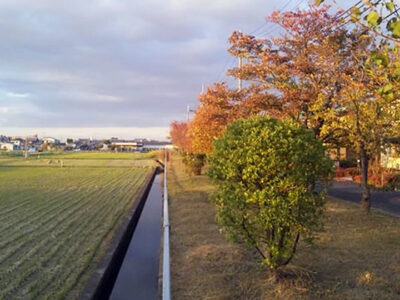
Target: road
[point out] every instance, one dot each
(350, 191)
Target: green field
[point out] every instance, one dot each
(81, 155)
(55, 221)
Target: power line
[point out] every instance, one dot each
(270, 30)
(350, 8)
(274, 25)
(229, 61)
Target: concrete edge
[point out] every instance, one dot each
(101, 283)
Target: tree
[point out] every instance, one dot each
(216, 111)
(179, 135)
(219, 106)
(333, 81)
(294, 77)
(302, 68)
(369, 114)
(264, 170)
(380, 17)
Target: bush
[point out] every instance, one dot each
(394, 180)
(193, 162)
(389, 181)
(265, 171)
(348, 163)
(351, 172)
(357, 178)
(339, 172)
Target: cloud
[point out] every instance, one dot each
(103, 63)
(17, 95)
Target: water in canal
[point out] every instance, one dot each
(138, 276)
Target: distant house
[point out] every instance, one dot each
(149, 145)
(50, 140)
(69, 146)
(104, 148)
(9, 147)
(4, 139)
(390, 158)
(20, 143)
(84, 147)
(33, 148)
(126, 146)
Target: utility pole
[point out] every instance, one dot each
(26, 147)
(240, 80)
(188, 110)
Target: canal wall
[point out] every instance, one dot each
(101, 282)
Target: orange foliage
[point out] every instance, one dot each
(214, 113)
(179, 135)
(302, 67)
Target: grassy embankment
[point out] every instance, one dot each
(55, 222)
(356, 257)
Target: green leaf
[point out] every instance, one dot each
(390, 6)
(387, 88)
(356, 11)
(390, 24)
(373, 19)
(396, 29)
(379, 58)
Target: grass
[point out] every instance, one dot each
(54, 222)
(356, 257)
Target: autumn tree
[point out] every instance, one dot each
(215, 111)
(370, 103)
(179, 133)
(369, 114)
(219, 106)
(302, 68)
(380, 17)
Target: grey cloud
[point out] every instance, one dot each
(100, 63)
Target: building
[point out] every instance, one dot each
(126, 146)
(50, 140)
(9, 147)
(390, 158)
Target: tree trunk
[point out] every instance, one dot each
(366, 195)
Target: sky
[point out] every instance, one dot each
(122, 68)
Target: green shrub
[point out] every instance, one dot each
(265, 171)
(193, 162)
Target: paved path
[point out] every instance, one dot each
(350, 191)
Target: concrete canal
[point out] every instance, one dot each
(138, 276)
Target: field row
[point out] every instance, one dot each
(75, 162)
(82, 155)
(53, 224)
